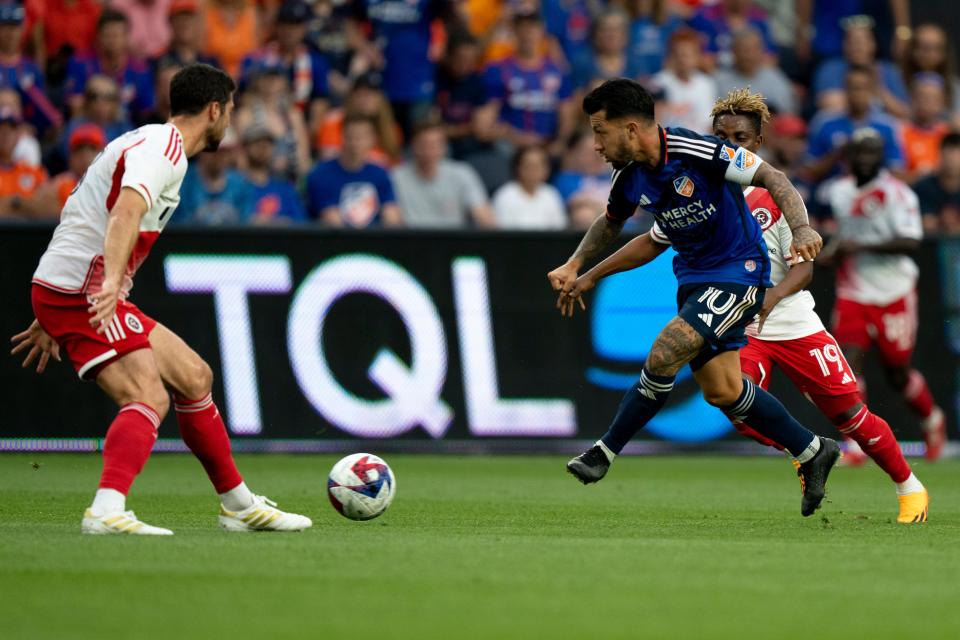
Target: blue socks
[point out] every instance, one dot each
(638, 406)
(764, 413)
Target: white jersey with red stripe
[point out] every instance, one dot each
(883, 209)
(793, 317)
(151, 161)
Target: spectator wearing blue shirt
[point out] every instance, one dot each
(272, 199)
(820, 25)
(401, 48)
(532, 92)
(829, 133)
(111, 57)
(306, 70)
(462, 97)
(214, 193)
(608, 56)
(349, 191)
(20, 73)
(569, 21)
(650, 32)
(718, 22)
(860, 49)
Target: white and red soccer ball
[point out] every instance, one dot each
(361, 486)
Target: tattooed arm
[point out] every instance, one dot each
(806, 242)
(601, 233)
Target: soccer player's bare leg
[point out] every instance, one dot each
(190, 379)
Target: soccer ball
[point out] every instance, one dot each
(361, 486)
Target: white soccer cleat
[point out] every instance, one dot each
(119, 522)
(263, 515)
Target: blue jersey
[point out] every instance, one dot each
(695, 197)
(359, 195)
(529, 97)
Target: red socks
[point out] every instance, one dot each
(202, 428)
(749, 432)
(127, 446)
(874, 436)
(917, 394)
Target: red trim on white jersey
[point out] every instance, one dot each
(118, 176)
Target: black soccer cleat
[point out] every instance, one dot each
(814, 473)
(590, 466)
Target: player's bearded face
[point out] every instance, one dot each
(618, 151)
(217, 130)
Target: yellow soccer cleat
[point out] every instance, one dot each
(914, 507)
(262, 515)
(119, 522)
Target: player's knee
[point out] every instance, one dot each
(722, 395)
(198, 379)
(842, 418)
(152, 393)
(898, 377)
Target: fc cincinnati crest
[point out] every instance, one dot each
(684, 186)
(133, 323)
(750, 265)
(726, 153)
(764, 217)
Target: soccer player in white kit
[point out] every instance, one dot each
(879, 225)
(80, 301)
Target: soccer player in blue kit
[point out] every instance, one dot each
(691, 184)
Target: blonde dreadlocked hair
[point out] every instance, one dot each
(742, 102)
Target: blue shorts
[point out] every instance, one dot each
(720, 312)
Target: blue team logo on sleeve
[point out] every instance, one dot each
(726, 153)
(684, 186)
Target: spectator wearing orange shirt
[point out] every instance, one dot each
(65, 23)
(86, 141)
(927, 126)
(18, 181)
(232, 32)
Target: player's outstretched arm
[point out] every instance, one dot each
(123, 228)
(636, 253)
(806, 242)
(601, 233)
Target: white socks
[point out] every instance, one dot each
(238, 498)
(811, 450)
(606, 450)
(910, 485)
(108, 501)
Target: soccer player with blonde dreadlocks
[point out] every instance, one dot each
(788, 333)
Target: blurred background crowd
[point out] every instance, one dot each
(462, 113)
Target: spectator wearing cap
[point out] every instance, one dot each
(101, 106)
(18, 181)
(688, 92)
(231, 32)
(111, 57)
(273, 200)
(531, 91)
(752, 69)
(435, 192)
(350, 191)
(829, 133)
(269, 103)
(939, 193)
(214, 193)
(149, 25)
(364, 99)
(21, 73)
(860, 49)
(186, 37)
(927, 126)
(306, 70)
(86, 142)
(462, 98)
(401, 48)
(719, 21)
(27, 150)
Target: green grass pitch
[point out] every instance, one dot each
(485, 547)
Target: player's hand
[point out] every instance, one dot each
(563, 278)
(770, 300)
(40, 343)
(568, 301)
(807, 243)
(104, 307)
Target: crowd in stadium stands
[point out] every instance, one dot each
(461, 113)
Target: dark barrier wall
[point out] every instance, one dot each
(322, 335)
